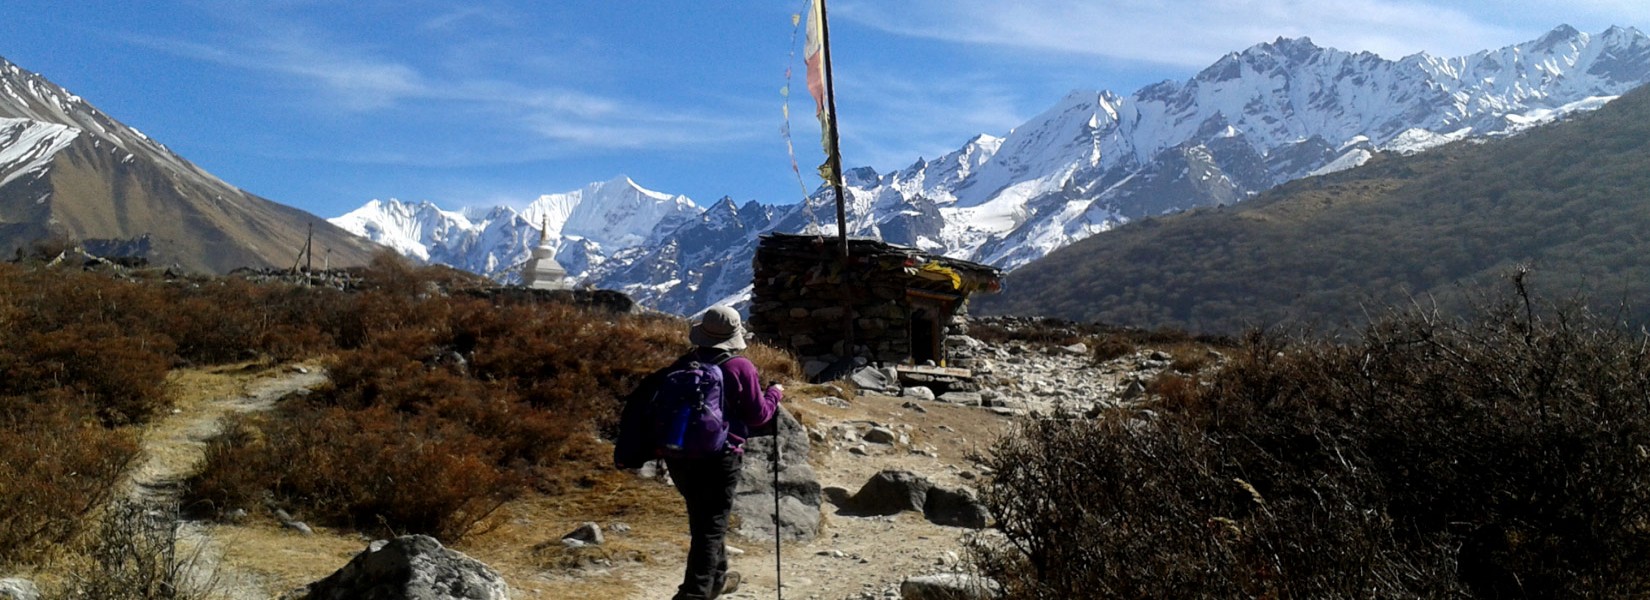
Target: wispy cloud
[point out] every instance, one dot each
(895, 118)
(344, 78)
(1185, 33)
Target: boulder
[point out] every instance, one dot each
(881, 435)
(874, 379)
(799, 489)
(13, 588)
(963, 398)
(888, 493)
(919, 392)
(413, 567)
(949, 586)
(955, 508)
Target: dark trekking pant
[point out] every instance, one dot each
(707, 485)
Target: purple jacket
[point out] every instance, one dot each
(745, 403)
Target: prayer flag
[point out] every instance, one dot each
(813, 54)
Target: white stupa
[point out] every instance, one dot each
(542, 271)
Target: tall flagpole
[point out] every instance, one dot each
(834, 154)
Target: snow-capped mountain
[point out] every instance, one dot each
(69, 169)
(584, 227)
(1271, 113)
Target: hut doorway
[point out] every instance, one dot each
(929, 314)
(924, 336)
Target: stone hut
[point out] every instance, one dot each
(903, 302)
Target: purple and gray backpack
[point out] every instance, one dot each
(684, 416)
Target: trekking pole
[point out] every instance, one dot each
(778, 573)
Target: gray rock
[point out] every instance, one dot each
(871, 378)
(588, 533)
(909, 405)
(414, 567)
(14, 588)
(919, 392)
(955, 508)
(881, 435)
(1078, 348)
(889, 492)
(813, 368)
(949, 586)
(963, 398)
(799, 490)
(655, 470)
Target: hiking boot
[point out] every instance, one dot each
(731, 584)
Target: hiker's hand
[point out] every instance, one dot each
(777, 388)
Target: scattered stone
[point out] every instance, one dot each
(880, 435)
(919, 392)
(859, 450)
(949, 586)
(414, 567)
(1161, 356)
(963, 398)
(890, 492)
(872, 378)
(733, 550)
(831, 401)
(619, 527)
(15, 588)
(955, 508)
(813, 368)
(914, 406)
(589, 533)
(655, 470)
(1134, 390)
(300, 527)
(1078, 348)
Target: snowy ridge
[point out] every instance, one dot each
(1253, 119)
(584, 224)
(27, 95)
(27, 147)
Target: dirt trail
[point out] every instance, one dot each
(173, 449)
(853, 557)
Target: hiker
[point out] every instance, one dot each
(704, 466)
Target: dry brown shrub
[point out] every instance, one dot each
(1499, 457)
(439, 409)
(118, 375)
(57, 462)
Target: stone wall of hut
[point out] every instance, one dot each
(803, 303)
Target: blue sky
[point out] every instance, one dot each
(325, 105)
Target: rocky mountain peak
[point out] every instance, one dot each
(1273, 112)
